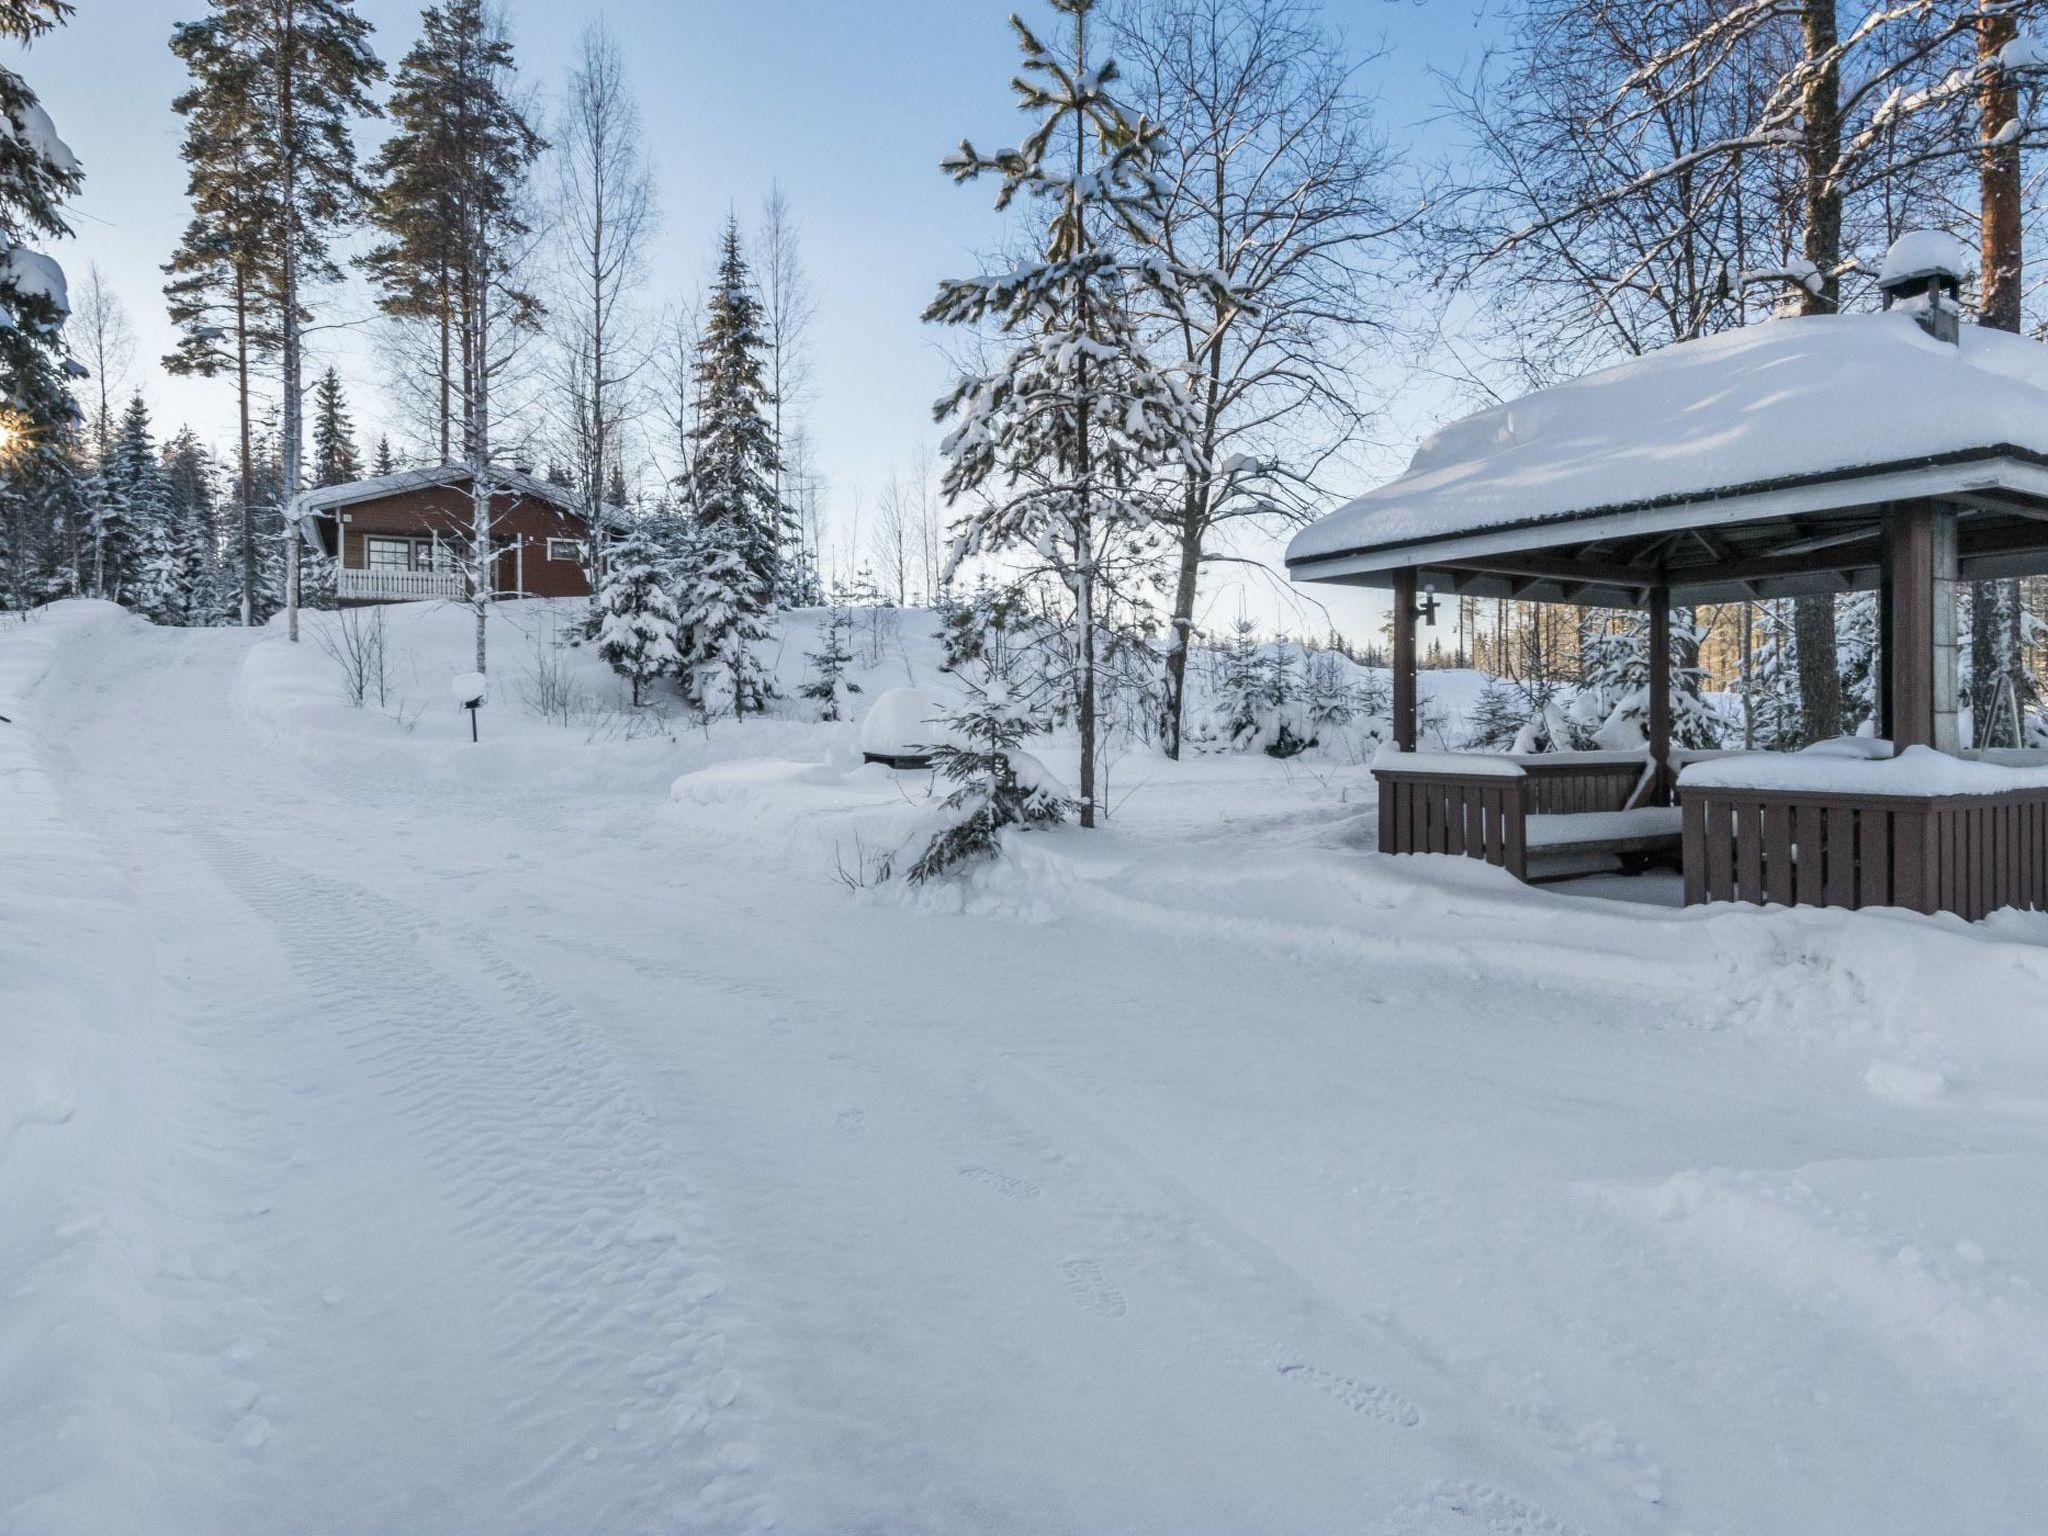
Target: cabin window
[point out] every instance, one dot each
(388, 554)
(433, 555)
(563, 549)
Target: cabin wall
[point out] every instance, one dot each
(447, 512)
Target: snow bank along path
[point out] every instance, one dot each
(497, 1155)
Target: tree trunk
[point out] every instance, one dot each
(289, 427)
(1820, 685)
(248, 463)
(1183, 636)
(1996, 658)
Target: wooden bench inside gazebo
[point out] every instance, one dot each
(1901, 452)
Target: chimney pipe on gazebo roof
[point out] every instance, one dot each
(1923, 274)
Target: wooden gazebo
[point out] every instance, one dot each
(1893, 451)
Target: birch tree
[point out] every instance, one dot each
(605, 214)
(789, 305)
(1276, 180)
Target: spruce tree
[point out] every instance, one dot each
(828, 664)
(383, 463)
(277, 87)
(1498, 714)
(1056, 442)
(335, 460)
(39, 500)
(145, 564)
(189, 471)
(729, 580)
(733, 461)
(636, 617)
(720, 617)
(996, 784)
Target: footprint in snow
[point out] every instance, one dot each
(1368, 1398)
(850, 1126)
(1090, 1291)
(1001, 1183)
(1501, 1514)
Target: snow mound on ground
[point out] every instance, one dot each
(863, 817)
(76, 981)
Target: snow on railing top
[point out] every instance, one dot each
(1916, 771)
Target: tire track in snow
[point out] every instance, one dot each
(1245, 1289)
(605, 1293)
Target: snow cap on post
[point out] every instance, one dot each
(470, 689)
(1923, 274)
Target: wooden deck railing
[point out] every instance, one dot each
(396, 586)
(1481, 816)
(1482, 812)
(1967, 854)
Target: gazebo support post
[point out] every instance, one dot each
(1404, 659)
(1920, 579)
(1660, 694)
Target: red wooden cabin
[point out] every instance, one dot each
(406, 536)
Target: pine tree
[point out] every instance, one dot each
(828, 664)
(448, 204)
(219, 294)
(996, 784)
(1056, 442)
(383, 464)
(39, 492)
(335, 460)
(637, 618)
(278, 84)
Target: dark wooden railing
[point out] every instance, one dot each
(1433, 811)
(1484, 815)
(1563, 783)
(1967, 854)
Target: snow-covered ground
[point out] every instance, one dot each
(399, 1134)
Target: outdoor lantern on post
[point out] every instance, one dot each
(470, 690)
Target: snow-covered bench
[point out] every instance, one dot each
(1539, 816)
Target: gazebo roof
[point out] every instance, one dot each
(1783, 438)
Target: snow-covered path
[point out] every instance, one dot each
(513, 1160)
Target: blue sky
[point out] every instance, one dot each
(849, 105)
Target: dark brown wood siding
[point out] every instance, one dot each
(446, 511)
(1970, 855)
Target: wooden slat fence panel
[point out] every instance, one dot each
(1966, 854)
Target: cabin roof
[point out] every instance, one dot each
(327, 498)
(1782, 420)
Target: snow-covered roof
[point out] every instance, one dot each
(1844, 410)
(517, 481)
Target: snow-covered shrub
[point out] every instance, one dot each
(995, 783)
